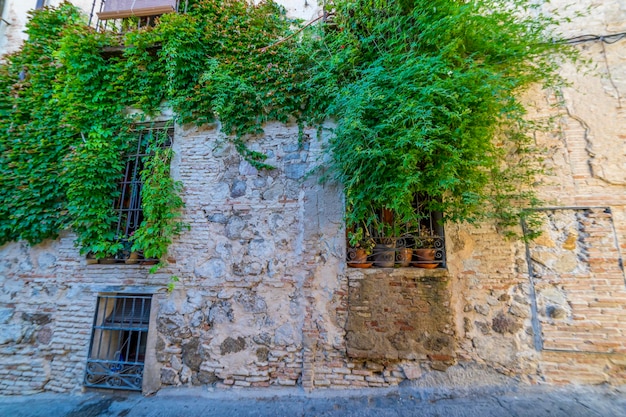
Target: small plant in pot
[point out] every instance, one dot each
(425, 252)
(404, 252)
(361, 246)
(386, 233)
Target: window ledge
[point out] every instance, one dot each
(435, 274)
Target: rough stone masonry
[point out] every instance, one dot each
(266, 298)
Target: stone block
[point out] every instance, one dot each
(46, 260)
(6, 314)
(238, 189)
(213, 269)
(220, 312)
(499, 350)
(412, 371)
(11, 333)
(192, 354)
(246, 169)
(505, 323)
(235, 227)
(400, 319)
(37, 318)
(519, 311)
(295, 171)
(231, 345)
(169, 376)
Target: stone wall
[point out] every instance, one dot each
(256, 237)
(266, 298)
(399, 316)
(47, 303)
(552, 311)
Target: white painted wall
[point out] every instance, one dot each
(15, 16)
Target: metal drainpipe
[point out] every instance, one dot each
(2, 13)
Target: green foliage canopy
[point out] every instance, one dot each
(424, 96)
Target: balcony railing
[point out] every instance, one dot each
(114, 14)
(388, 241)
(405, 251)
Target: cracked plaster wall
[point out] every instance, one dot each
(565, 325)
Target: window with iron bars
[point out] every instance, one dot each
(387, 242)
(127, 205)
(119, 337)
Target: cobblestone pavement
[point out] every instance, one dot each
(406, 401)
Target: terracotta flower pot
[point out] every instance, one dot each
(357, 258)
(107, 261)
(133, 258)
(405, 255)
(422, 258)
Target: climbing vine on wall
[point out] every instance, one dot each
(424, 96)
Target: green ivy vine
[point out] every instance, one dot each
(424, 96)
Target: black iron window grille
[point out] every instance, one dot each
(118, 342)
(128, 205)
(388, 243)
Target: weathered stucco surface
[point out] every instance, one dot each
(266, 298)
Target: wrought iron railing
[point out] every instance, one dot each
(404, 251)
(385, 239)
(126, 15)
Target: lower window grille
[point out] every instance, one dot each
(118, 342)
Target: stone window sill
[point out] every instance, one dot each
(439, 274)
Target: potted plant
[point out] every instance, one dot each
(361, 246)
(404, 252)
(425, 252)
(386, 233)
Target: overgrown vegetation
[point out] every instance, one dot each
(424, 95)
(426, 98)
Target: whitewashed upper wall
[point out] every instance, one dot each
(15, 16)
(596, 17)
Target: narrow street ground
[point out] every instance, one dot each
(404, 401)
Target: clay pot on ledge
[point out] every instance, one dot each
(384, 255)
(404, 257)
(423, 258)
(357, 258)
(133, 258)
(110, 260)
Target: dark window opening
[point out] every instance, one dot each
(388, 243)
(40, 4)
(128, 205)
(118, 342)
